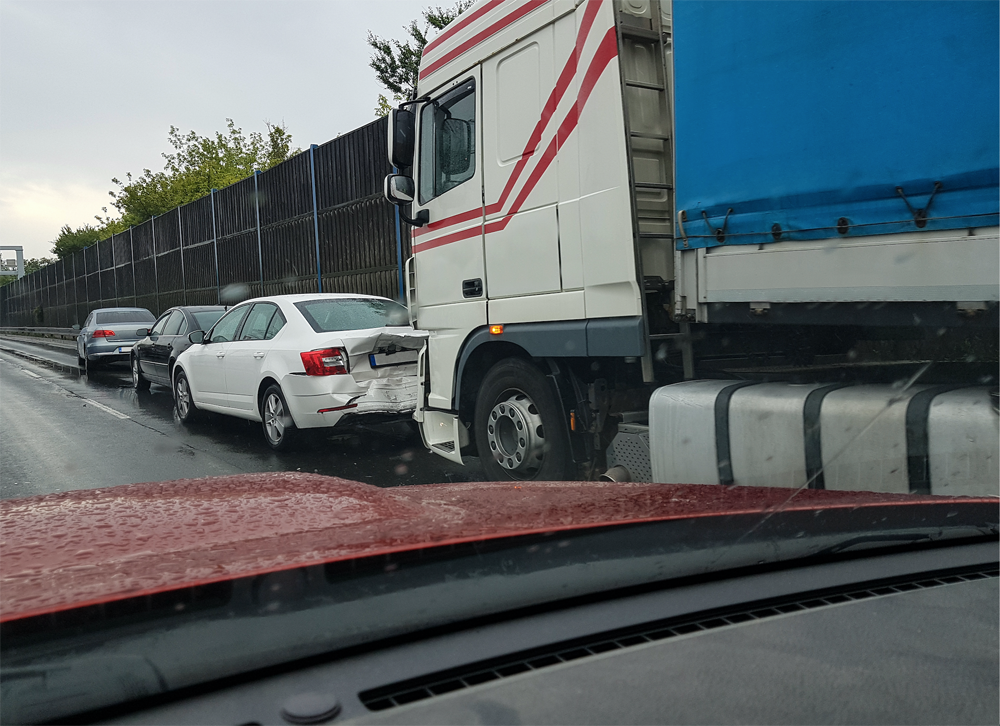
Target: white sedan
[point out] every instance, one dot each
(302, 361)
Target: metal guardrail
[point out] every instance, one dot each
(57, 333)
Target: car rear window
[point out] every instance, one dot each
(327, 316)
(110, 317)
(207, 319)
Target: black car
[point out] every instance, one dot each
(153, 357)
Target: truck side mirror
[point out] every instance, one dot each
(455, 144)
(399, 189)
(402, 125)
(197, 336)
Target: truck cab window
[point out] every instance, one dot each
(447, 142)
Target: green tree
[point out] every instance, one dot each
(32, 265)
(396, 63)
(72, 240)
(198, 165)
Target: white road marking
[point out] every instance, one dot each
(108, 409)
(29, 373)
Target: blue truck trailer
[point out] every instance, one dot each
(672, 235)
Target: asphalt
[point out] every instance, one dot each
(62, 429)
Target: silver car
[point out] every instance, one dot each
(108, 335)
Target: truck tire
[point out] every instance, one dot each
(518, 425)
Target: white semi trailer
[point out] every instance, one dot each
(619, 207)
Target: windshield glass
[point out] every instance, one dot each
(205, 320)
(328, 316)
(667, 315)
(110, 317)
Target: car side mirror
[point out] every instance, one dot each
(197, 336)
(76, 326)
(142, 332)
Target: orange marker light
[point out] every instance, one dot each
(572, 420)
(496, 330)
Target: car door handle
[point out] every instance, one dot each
(259, 354)
(220, 355)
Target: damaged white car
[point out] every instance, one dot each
(302, 362)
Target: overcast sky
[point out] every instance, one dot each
(89, 89)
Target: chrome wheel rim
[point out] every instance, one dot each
(183, 397)
(274, 412)
(515, 434)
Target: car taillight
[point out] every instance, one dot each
(326, 362)
(103, 334)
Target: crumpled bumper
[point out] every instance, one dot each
(382, 396)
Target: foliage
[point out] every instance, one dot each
(198, 165)
(72, 240)
(32, 265)
(396, 63)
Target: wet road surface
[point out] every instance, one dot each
(60, 430)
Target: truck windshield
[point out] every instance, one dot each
(447, 142)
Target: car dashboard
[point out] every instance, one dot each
(907, 636)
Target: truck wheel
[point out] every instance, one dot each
(519, 432)
(279, 430)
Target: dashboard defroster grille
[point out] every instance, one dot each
(473, 674)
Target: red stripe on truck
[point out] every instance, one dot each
(481, 36)
(606, 51)
(562, 84)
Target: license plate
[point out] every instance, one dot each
(380, 360)
(125, 349)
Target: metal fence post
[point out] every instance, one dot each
(180, 240)
(156, 273)
(399, 251)
(100, 282)
(215, 250)
(260, 252)
(131, 256)
(312, 172)
(76, 298)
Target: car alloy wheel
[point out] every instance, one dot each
(186, 410)
(139, 383)
(279, 429)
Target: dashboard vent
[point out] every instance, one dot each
(473, 674)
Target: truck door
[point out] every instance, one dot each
(519, 171)
(448, 251)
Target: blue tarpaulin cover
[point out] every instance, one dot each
(802, 113)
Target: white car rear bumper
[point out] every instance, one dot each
(380, 396)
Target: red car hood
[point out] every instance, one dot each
(62, 551)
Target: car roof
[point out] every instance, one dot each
(126, 310)
(302, 297)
